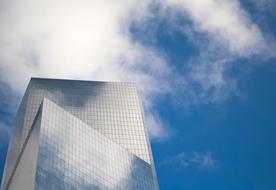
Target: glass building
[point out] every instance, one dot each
(72, 134)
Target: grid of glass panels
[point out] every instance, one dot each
(72, 155)
(111, 108)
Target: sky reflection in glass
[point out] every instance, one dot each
(72, 155)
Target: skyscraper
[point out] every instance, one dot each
(72, 134)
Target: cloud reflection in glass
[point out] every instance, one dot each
(72, 155)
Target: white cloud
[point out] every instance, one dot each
(224, 33)
(225, 22)
(157, 127)
(77, 39)
(91, 40)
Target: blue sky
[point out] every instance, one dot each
(206, 71)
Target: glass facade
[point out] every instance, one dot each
(72, 155)
(91, 136)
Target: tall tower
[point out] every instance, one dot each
(71, 134)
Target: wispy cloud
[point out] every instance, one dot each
(265, 5)
(4, 131)
(225, 22)
(158, 127)
(224, 33)
(199, 160)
